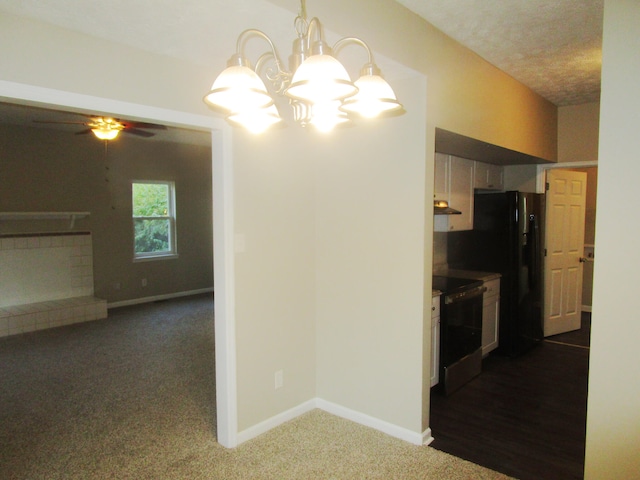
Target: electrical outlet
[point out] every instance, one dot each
(144, 282)
(279, 379)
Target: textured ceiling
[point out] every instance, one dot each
(552, 46)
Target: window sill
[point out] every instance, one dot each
(151, 258)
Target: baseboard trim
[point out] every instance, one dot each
(275, 421)
(423, 438)
(372, 422)
(427, 438)
(155, 298)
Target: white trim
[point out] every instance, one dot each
(427, 437)
(542, 171)
(275, 421)
(401, 433)
(223, 268)
(375, 423)
(41, 96)
(224, 279)
(156, 298)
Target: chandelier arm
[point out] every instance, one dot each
(343, 42)
(252, 32)
(314, 25)
(278, 77)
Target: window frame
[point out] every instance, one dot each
(171, 217)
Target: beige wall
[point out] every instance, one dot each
(578, 132)
(466, 94)
(275, 288)
(50, 170)
(369, 187)
(589, 232)
(613, 408)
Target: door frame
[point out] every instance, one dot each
(223, 220)
(541, 173)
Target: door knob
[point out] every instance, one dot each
(583, 259)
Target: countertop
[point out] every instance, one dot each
(472, 274)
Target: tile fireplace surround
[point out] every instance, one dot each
(46, 280)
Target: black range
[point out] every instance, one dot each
(460, 330)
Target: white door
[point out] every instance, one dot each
(564, 242)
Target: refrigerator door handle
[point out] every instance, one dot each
(533, 250)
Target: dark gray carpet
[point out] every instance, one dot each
(133, 397)
(114, 395)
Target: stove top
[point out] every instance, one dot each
(452, 284)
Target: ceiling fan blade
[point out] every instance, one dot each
(83, 132)
(64, 123)
(140, 133)
(143, 125)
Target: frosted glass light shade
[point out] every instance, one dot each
(375, 96)
(237, 89)
(326, 116)
(256, 121)
(320, 79)
(105, 133)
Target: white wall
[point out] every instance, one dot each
(370, 186)
(613, 409)
(275, 291)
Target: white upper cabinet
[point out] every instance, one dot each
(488, 176)
(454, 183)
(441, 180)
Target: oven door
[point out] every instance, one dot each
(461, 337)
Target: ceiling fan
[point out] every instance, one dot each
(108, 128)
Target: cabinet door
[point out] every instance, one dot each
(490, 324)
(495, 177)
(461, 193)
(490, 316)
(481, 175)
(488, 176)
(441, 177)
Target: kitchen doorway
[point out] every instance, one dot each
(473, 423)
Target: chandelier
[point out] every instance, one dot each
(316, 84)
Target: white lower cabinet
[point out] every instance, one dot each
(435, 340)
(490, 316)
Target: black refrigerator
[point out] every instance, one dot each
(507, 238)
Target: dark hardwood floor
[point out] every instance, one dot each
(525, 417)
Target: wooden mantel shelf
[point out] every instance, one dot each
(71, 216)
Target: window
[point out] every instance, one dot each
(153, 220)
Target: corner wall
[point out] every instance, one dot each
(613, 406)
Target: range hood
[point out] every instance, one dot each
(441, 207)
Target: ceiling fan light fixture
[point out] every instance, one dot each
(104, 133)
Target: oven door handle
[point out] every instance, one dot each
(466, 295)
